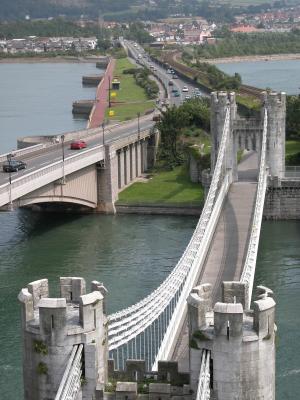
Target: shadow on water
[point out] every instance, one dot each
(36, 223)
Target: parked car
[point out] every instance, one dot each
(187, 97)
(13, 165)
(175, 76)
(176, 94)
(78, 145)
(156, 118)
(185, 89)
(169, 71)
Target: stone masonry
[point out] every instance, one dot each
(241, 342)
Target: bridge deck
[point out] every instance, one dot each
(228, 249)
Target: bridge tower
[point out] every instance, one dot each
(241, 343)
(275, 103)
(64, 339)
(220, 101)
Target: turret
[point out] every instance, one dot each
(241, 344)
(275, 104)
(220, 102)
(53, 330)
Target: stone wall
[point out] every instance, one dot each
(282, 199)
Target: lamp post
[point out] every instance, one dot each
(103, 126)
(9, 157)
(109, 100)
(138, 121)
(63, 157)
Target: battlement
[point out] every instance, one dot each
(73, 312)
(136, 370)
(229, 317)
(53, 326)
(243, 340)
(274, 99)
(222, 99)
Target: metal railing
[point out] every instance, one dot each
(292, 171)
(71, 380)
(147, 329)
(203, 390)
(250, 263)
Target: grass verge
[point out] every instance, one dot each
(132, 96)
(164, 188)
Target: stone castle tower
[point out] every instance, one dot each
(246, 133)
(241, 342)
(60, 332)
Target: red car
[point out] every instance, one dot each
(78, 145)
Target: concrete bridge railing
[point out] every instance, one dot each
(55, 171)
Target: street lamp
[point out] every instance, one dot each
(9, 157)
(109, 100)
(63, 157)
(103, 126)
(138, 121)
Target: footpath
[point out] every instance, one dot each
(98, 112)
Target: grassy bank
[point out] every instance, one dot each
(292, 152)
(131, 98)
(165, 188)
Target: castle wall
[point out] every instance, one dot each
(282, 200)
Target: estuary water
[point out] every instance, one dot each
(283, 75)
(130, 254)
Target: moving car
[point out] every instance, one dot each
(13, 165)
(171, 83)
(185, 89)
(78, 145)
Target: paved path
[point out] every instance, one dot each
(101, 104)
(226, 256)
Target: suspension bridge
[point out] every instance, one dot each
(223, 247)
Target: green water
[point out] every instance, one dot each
(278, 267)
(130, 254)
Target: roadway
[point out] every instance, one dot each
(54, 153)
(143, 59)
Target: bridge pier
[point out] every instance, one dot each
(108, 181)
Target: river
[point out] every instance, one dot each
(130, 254)
(283, 75)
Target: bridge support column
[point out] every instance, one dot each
(152, 149)
(127, 165)
(121, 169)
(138, 159)
(275, 104)
(133, 161)
(144, 155)
(108, 182)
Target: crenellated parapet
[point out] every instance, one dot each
(52, 327)
(241, 344)
(136, 371)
